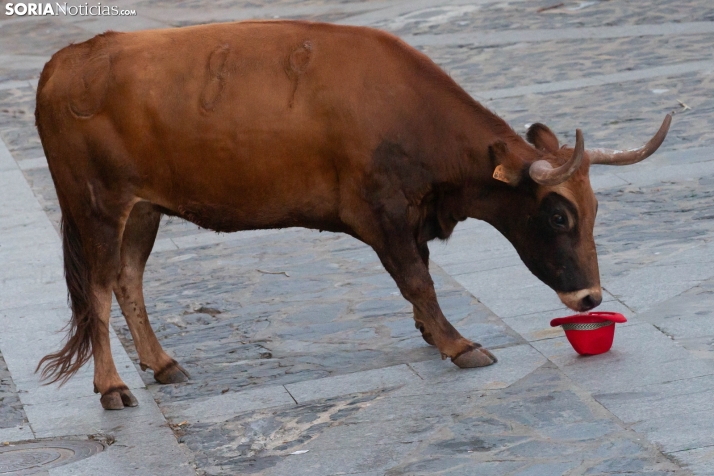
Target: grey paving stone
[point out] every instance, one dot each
(671, 70)
(366, 381)
(666, 400)
(209, 238)
(676, 415)
(7, 162)
(17, 433)
(643, 288)
(604, 181)
(548, 469)
(29, 164)
(667, 173)
(226, 406)
(700, 460)
(378, 458)
(440, 376)
(82, 416)
(687, 319)
(684, 431)
(13, 84)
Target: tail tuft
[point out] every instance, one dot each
(84, 325)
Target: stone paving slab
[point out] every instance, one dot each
(640, 289)
(439, 378)
(16, 433)
(357, 382)
(687, 319)
(82, 416)
(669, 400)
(701, 459)
(225, 406)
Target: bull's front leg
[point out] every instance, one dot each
(416, 285)
(407, 262)
(418, 322)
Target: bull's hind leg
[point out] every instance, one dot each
(137, 242)
(92, 223)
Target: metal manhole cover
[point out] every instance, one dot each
(30, 458)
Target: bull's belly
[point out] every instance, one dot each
(227, 218)
(250, 203)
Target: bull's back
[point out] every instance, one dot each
(245, 125)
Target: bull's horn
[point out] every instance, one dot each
(632, 156)
(543, 173)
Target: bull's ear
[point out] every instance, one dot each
(508, 167)
(542, 138)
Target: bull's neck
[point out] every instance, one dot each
(482, 196)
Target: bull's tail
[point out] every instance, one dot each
(84, 325)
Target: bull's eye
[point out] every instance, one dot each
(559, 221)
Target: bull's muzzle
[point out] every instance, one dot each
(582, 300)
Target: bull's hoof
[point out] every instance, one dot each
(479, 357)
(172, 373)
(118, 398)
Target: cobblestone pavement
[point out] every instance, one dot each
(303, 356)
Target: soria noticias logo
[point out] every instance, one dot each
(57, 8)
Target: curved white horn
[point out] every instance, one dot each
(543, 173)
(627, 157)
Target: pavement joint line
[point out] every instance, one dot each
(687, 449)
(414, 370)
(496, 38)
(601, 80)
(617, 299)
(291, 395)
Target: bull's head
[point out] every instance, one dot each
(552, 209)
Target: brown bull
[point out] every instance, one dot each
(276, 124)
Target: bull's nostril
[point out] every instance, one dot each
(590, 302)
